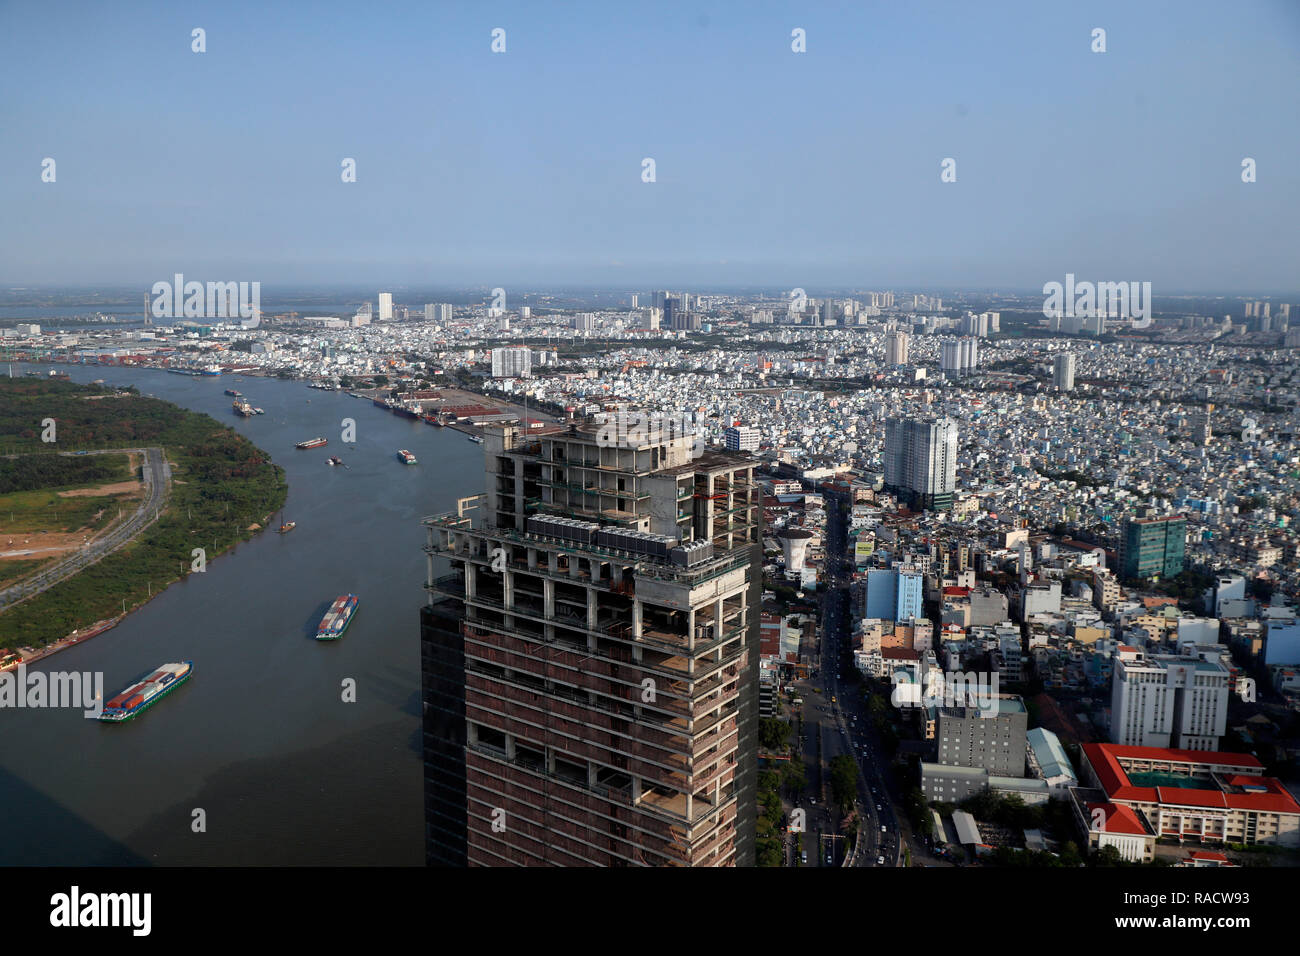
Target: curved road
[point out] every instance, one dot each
(157, 480)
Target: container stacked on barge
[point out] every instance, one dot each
(337, 618)
(140, 697)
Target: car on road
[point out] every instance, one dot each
(803, 857)
(880, 861)
(883, 828)
(830, 859)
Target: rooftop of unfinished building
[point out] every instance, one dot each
(587, 430)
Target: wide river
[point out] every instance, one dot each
(260, 740)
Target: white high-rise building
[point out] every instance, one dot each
(1063, 371)
(959, 356)
(921, 460)
(385, 307)
(511, 362)
(896, 343)
(1168, 701)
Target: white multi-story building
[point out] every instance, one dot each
(511, 362)
(385, 307)
(437, 312)
(1168, 701)
(921, 460)
(896, 343)
(741, 438)
(1063, 372)
(959, 356)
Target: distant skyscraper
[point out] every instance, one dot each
(385, 307)
(959, 357)
(1203, 433)
(1063, 371)
(896, 344)
(635, 300)
(583, 322)
(650, 318)
(511, 362)
(920, 461)
(1152, 547)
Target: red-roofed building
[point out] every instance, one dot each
(1202, 796)
(1204, 858)
(1117, 825)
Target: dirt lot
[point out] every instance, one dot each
(40, 544)
(131, 488)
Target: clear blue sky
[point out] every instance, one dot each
(524, 168)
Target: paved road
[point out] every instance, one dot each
(157, 480)
(837, 720)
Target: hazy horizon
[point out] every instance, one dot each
(777, 169)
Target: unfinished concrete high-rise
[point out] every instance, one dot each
(590, 663)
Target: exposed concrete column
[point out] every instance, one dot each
(471, 579)
(690, 630)
(510, 746)
(508, 588)
(532, 559)
(591, 607)
(548, 597)
(636, 618)
(428, 595)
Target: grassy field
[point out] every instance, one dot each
(26, 511)
(11, 571)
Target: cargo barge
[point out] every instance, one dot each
(140, 697)
(405, 457)
(313, 443)
(337, 618)
(235, 394)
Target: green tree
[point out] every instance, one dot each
(773, 734)
(844, 782)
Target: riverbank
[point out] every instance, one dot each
(225, 485)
